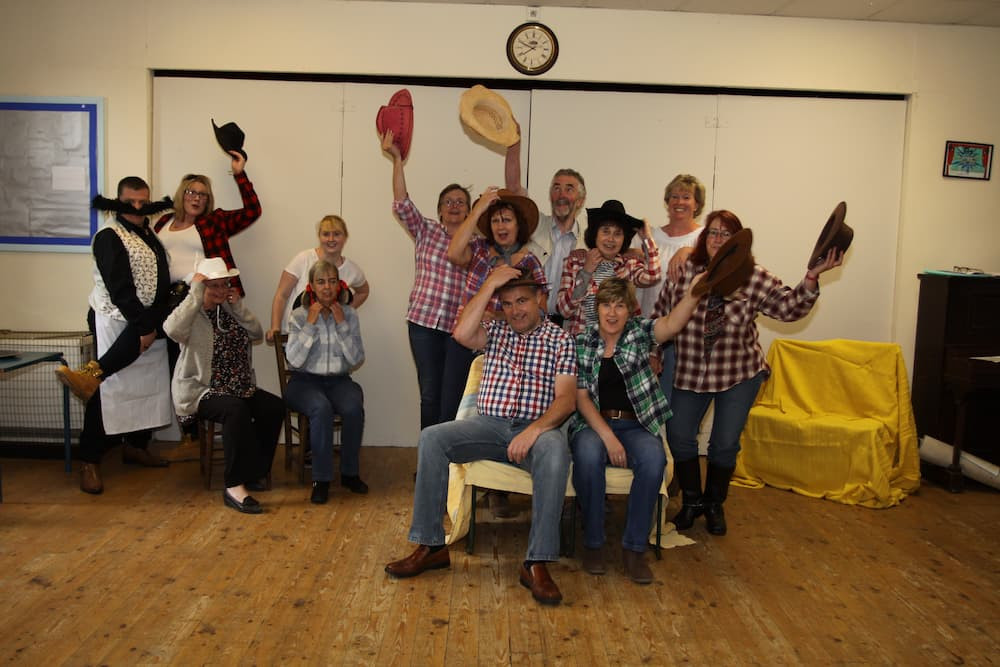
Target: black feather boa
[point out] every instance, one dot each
(117, 206)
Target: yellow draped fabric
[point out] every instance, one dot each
(833, 421)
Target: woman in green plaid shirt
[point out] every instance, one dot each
(620, 413)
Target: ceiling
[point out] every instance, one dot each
(940, 12)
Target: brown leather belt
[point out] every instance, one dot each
(618, 414)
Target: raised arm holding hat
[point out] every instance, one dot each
(438, 285)
(719, 358)
(196, 228)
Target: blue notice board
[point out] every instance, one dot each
(52, 150)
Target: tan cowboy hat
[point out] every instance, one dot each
(731, 267)
(487, 114)
(526, 209)
(836, 234)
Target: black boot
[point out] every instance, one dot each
(693, 506)
(716, 490)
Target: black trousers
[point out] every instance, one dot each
(250, 428)
(125, 349)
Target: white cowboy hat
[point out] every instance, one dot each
(214, 268)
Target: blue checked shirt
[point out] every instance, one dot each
(519, 376)
(324, 348)
(632, 358)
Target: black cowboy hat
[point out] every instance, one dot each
(230, 137)
(731, 267)
(836, 234)
(610, 211)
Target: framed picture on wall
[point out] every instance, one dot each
(967, 159)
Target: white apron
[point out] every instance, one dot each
(138, 396)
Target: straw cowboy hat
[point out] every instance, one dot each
(836, 234)
(487, 114)
(527, 212)
(731, 267)
(230, 137)
(398, 117)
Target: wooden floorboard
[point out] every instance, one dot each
(158, 571)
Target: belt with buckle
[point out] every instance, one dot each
(618, 414)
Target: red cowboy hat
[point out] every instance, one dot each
(398, 117)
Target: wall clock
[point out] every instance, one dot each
(532, 48)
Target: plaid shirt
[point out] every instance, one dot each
(437, 283)
(633, 269)
(631, 356)
(520, 369)
(482, 263)
(216, 227)
(736, 355)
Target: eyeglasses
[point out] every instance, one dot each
(194, 194)
(448, 203)
(720, 233)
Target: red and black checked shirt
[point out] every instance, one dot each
(437, 283)
(519, 373)
(736, 354)
(216, 227)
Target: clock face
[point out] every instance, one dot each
(532, 48)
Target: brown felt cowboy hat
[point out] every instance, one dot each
(398, 117)
(836, 234)
(230, 137)
(527, 213)
(487, 114)
(731, 267)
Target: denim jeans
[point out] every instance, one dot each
(645, 456)
(320, 397)
(458, 359)
(429, 348)
(479, 438)
(731, 409)
(669, 360)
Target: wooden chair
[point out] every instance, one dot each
(467, 480)
(297, 451)
(212, 453)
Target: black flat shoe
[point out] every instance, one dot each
(320, 493)
(248, 506)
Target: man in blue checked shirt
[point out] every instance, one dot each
(528, 390)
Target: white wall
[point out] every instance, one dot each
(107, 49)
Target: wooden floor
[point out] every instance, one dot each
(158, 571)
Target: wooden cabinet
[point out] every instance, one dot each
(958, 318)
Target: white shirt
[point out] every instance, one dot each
(668, 246)
(184, 250)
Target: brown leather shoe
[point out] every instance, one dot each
(593, 561)
(635, 566)
(418, 562)
(83, 382)
(90, 478)
(142, 457)
(542, 587)
(185, 450)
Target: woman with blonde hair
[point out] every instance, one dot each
(332, 234)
